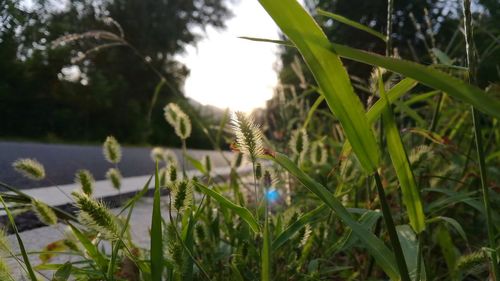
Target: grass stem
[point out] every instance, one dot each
(391, 229)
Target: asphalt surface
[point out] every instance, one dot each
(61, 161)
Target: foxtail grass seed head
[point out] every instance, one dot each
(237, 160)
(112, 150)
(170, 157)
(157, 154)
(43, 212)
(306, 235)
(29, 168)
(96, 216)
(5, 246)
(86, 181)
(182, 195)
(248, 136)
(258, 171)
(5, 272)
(472, 260)
(172, 112)
(208, 164)
(115, 177)
(318, 153)
(183, 127)
(171, 173)
(299, 143)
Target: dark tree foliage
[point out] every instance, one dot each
(114, 91)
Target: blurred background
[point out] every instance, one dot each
(77, 71)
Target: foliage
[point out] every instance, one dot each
(411, 210)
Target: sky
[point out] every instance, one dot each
(229, 72)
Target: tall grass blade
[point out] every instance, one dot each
(409, 244)
(330, 74)
(266, 250)
(26, 260)
(429, 76)
(382, 255)
(63, 273)
(156, 234)
(352, 23)
(244, 213)
(411, 194)
(90, 248)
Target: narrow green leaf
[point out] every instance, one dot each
(90, 248)
(196, 164)
(137, 196)
(352, 23)
(426, 75)
(409, 244)
(382, 255)
(63, 272)
(244, 213)
(454, 223)
(156, 234)
(307, 218)
(411, 194)
(266, 250)
(24, 254)
(315, 105)
(330, 74)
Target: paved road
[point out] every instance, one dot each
(61, 161)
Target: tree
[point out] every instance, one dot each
(111, 90)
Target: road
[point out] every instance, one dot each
(61, 161)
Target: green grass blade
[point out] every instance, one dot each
(426, 75)
(24, 254)
(382, 255)
(244, 213)
(411, 195)
(307, 218)
(330, 75)
(137, 196)
(429, 76)
(310, 114)
(156, 234)
(63, 272)
(266, 250)
(352, 23)
(90, 249)
(196, 164)
(409, 244)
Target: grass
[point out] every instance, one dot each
(409, 205)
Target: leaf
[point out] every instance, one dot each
(266, 250)
(352, 23)
(24, 254)
(156, 234)
(196, 164)
(330, 74)
(297, 225)
(429, 76)
(244, 213)
(315, 105)
(409, 244)
(411, 194)
(91, 249)
(451, 222)
(63, 273)
(382, 255)
(426, 75)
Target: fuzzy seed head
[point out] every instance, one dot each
(183, 127)
(208, 163)
(157, 154)
(115, 177)
(171, 173)
(306, 235)
(96, 216)
(170, 157)
(182, 195)
(258, 171)
(112, 150)
(318, 153)
(43, 212)
(248, 136)
(86, 181)
(5, 247)
(29, 168)
(299, 143)
(237, 160)
(470, 261)
(5, 272)
(172, 112)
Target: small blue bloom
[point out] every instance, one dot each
(272, 194)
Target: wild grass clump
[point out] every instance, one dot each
(382, 188)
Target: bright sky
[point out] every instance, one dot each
(229, 72)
